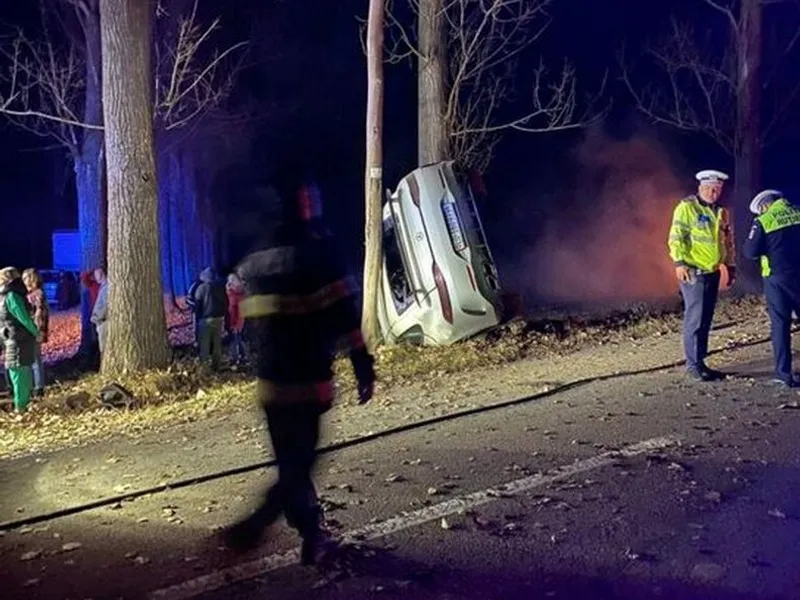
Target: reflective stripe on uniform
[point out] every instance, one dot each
(699, 236)
(262, 305)
(779, 215)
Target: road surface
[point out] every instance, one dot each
(637, 487)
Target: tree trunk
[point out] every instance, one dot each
(433, 141)
(89, 167)
(747, 174)
(373, 179)
(137, 333)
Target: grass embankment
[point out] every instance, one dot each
(71, 413)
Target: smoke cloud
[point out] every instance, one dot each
(605, 240)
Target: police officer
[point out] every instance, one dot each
(775, 240)
(300, 302)
(700, 243)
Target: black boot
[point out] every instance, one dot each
(244, 535)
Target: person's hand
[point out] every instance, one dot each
(365, 374)
(731, 276)
(683, 274)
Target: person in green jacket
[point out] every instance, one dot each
(19, 335)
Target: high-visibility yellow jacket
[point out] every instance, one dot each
(701, 236)
(775, 240)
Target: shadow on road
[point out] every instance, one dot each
(384, 574)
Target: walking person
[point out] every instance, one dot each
(700, 244)
(774, 240)
(210, 308)
(301, 302)
(19, 334)
(41, 317)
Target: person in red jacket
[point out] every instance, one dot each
(90, 283)
(235, 291)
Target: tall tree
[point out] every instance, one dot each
(53, 88)
(433, 138)
(373, 180)
(137, 332)
(713, 83)
(467, 54)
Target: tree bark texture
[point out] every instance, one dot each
(137, 333)
(373, 180)
(748, 143)
(89, 165)
(187, 239)
(433, 140)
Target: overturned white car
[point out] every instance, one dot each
(439, 282)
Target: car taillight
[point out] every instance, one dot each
(444, 295)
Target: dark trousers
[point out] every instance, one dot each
(783, 297)
(699, 301)
(294, 431)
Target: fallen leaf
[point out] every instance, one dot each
(70, 546)
(30, 555)
(794, 405)
(777, 513)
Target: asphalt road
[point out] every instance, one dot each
(701, 503)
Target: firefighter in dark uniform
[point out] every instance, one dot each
(700, 245)
(774, 240)
(300, 302)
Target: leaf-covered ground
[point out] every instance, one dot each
(71, 412)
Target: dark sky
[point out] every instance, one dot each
(310, 77)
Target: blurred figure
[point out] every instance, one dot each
(210, 308)
(191, 303)
(89, 292)
(300, 302)
(235, 291)
(700, 242)
(19, 334)
(100, 309)
(41, 317)
(775, 241)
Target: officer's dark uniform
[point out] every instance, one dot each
(775, 240)
(300, 301)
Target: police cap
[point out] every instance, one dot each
(762, 198)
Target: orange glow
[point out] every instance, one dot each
(606, 239)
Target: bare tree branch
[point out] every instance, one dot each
(702, 81)
(727, 11)
(191, 78)
(485, 38)
(43, 84)
(701, 86)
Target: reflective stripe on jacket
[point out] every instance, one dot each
(775, 222)
(701, 236)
